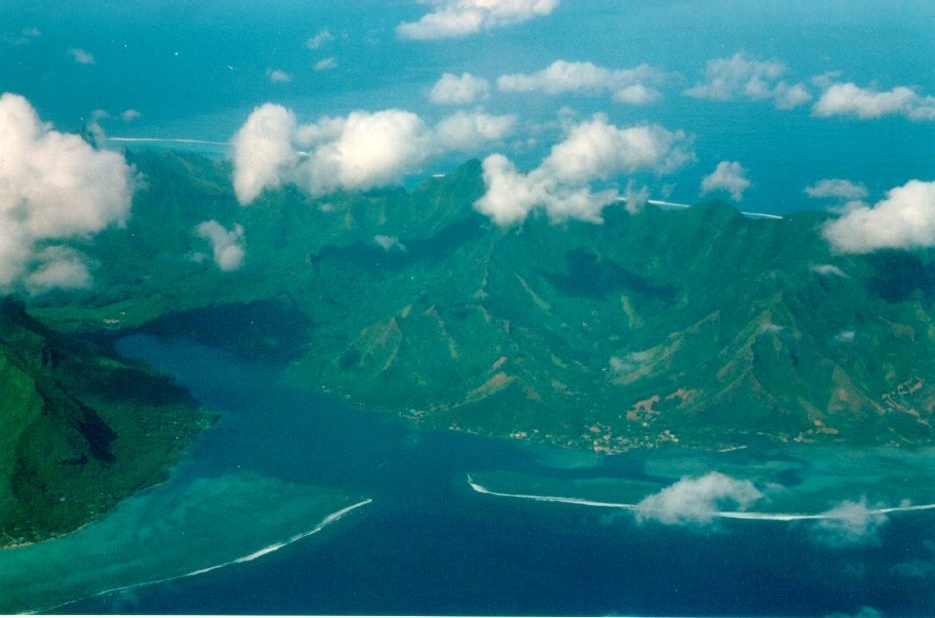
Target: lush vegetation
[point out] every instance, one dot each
(79, 429)
(698, 326)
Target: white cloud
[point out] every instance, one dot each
(323, 37)
(389, 243)
(697, 500)
(452, 89)
(629, 86)
(23, 37)
(80, 56)
(359, 151)
(849, 99)
(741, 77)
(363, 150)
(326, 64)
(837, 188)
(728, 176)
(129, 115)
(850, 523)
(278, 76)
(904, 220)
(53, 186)
(262, 149)
(845, 336)
(467, 131)
(226, 245)
(58, 267)
(828, 270)
(592, 151)
(460, 18)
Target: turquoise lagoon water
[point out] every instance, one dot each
(296, 503)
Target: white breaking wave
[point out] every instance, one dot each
(166, 140)
(752, 215)
(748, 515)
(330, 519)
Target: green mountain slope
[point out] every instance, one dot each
(697, 326)
(79, 430)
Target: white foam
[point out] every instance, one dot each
(330, 519)
(166, 140)
(743, 515)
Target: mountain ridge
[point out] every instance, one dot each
(697, 326)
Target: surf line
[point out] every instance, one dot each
(166, 140)
(324, 523)
(747, 515)
(663, 203)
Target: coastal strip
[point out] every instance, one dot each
(743, 515)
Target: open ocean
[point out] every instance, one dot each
(429, 544)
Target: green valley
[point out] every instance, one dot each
(699, 327)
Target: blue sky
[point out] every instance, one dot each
(775, 105)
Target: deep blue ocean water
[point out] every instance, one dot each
(200, 76)
(430, 545)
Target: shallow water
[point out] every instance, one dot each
(282, 459)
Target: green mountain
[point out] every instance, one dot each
(697, 326)
(79, 429)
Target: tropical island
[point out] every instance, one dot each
(698, 327)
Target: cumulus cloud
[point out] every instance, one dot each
(361, 151)
(389, 243)
(80, 56)
(828, 270)
(849, 99)
(741, 77)
(452, 89)
(905, 219)
(697, 500)
(460, 18)
(837, 188)
(466, 131)
(728, 176)
(58, 267)
(262, 150)
(53, 186)
(278, 76)
(226, 245)
(129, 115)
(592, 151)
(850, 523)
(325, 64)
(628, 86)
(319, 40)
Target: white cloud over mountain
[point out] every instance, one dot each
(742, 77)
(53, 186)
(697, 500)
(460, 18)
(905, 219)
(462, 89)
(359, 151)
(593, 150)
(634, 86)
(849, 99)
(226, 245)
(728, 176)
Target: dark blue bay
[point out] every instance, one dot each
(429, 545)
